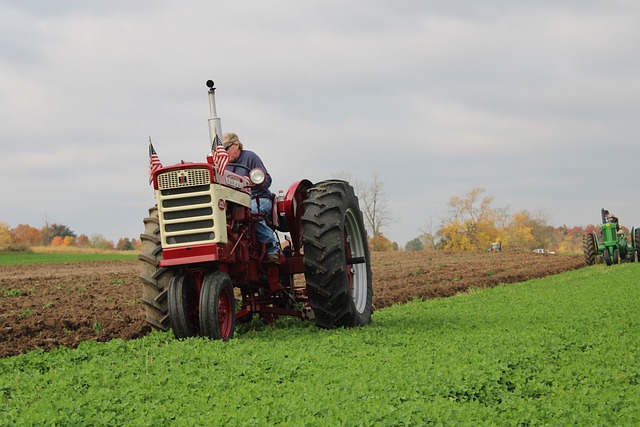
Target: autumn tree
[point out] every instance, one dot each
(572, 239)
(525, 231)
(124, 244)
(519, 234)
(381, 244)
(137, 244)
(5, 236)
(82, 241)
(56, 241)
(49, 231)
(471, 224)
(26, 235)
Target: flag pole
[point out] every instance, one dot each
(154, 161)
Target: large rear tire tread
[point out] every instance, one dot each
(588, 246)
(155, 279)
(331, 210)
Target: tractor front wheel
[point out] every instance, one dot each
(607, 256)
(616, 256)
(589, 248)
(336, 256)
(183, 308)
(217, 307)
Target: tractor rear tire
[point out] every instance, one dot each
(155, 279)
(589, 248)
(217, 307)
(336, 256)
(183, 307)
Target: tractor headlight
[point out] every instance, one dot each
(257, 176)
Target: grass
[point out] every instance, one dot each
(555, 351)
(37, 257)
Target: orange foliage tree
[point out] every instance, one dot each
(26, 235)
(124, 244)
(57, 241)
(82, 241)
(380, 243)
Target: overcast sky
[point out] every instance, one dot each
(538, 102)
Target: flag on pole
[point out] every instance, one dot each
(154, 161)
(220, 155)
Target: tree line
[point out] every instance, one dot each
(24, 236)
(472, 223)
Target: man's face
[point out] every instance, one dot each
(234, 152)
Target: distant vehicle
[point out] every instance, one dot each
(614, 246)
(539, 251)
(495, 247)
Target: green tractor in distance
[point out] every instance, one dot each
(615, 247)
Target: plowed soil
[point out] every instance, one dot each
(52, 305)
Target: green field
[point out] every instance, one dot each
(22, 258)
(556, 351)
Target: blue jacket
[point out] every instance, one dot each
(251, 160)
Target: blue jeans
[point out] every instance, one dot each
(263, 232)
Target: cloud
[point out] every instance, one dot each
(535, 101)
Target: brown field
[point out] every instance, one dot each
(47, 306)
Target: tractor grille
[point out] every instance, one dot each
(183, 178)
(186, 207)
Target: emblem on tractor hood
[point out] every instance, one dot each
(234, 181)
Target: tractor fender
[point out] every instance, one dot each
(293, 210)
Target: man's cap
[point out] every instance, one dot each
(229, 139)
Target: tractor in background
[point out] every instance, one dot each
(613, 246)
(203, 268)
(495, 247)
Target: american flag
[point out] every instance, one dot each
(154, 161)
(220, 155)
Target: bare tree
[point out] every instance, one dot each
(429, 236)
(373, 204)
(376, 213)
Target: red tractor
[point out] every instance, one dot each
(202, 265)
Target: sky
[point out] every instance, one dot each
(537, 102)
